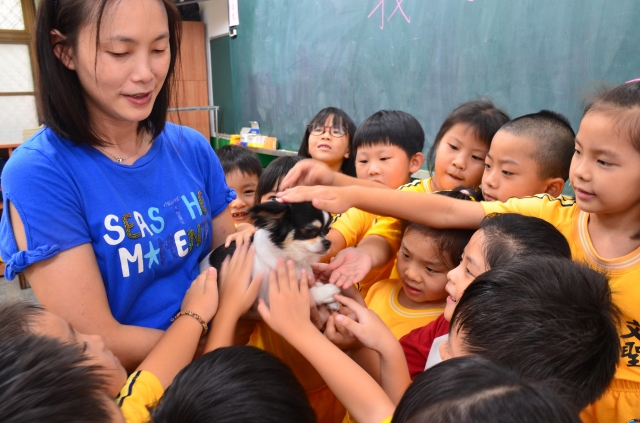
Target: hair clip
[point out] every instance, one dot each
(633, 80)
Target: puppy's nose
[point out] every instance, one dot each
(326, 243)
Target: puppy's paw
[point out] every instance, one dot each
(323, 293)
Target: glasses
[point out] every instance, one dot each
(335, 130)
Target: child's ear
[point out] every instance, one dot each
(555, 186)
(415, 162)
(63, 52)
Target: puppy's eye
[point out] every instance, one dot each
(309, 232)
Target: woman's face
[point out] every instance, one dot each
(122, 78)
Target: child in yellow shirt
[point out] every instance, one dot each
(601, 223)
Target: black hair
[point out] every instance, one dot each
(17, 318)
(512, 236)
(622, 104)
(390, 127)
(551, 320)
(235, 157)
(60, 98)
(480, 115)
(340, 117)
(273, 175)
(449, 243)
(553, 138)
(475, 390)
(235, 384)
(43, 379)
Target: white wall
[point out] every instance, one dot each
(215, 15)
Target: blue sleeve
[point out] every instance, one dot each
(48, 205)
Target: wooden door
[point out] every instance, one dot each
(191, 80)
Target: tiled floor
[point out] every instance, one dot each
(10, 291)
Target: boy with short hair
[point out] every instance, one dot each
(551, 320)
(242, 170)
(388, 147)
(528, 155)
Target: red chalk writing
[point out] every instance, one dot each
(380, 6)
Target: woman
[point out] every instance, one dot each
(109, 208)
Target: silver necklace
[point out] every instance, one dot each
(122, 159)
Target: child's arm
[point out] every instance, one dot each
(436, 211)
(374, 334)
(313, 172)
(338, 243)
(289, 316)
(177, 345)
(237, 295)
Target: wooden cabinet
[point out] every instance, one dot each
(191, 80)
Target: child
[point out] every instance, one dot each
(43, 379)
(417, 297)
(522, 167)
(501, 239)
(328, 138)
(242, 170)
(388, 147)
(235, 384)
(601, 223)
(475, 390)
(551, 320)
(269, 183)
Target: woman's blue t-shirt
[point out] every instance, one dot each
(149, 223)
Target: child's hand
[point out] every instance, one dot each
(330, 199)
(350, 266)
(369, 328)
(237, 294)
(308, 172)
(288, 313)
(339, 335)
(202, 296)
(244, 232)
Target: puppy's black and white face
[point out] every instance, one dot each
(297, 228)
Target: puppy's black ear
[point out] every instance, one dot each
(265, 214)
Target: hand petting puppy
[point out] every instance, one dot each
(237, 295)
(288, 314)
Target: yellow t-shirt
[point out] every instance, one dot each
(353, 225)
(390, 228)
(327, 407)
(142, 390)
(383, 299)
(624, 272)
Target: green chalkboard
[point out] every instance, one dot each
(291, 58)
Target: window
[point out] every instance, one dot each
(17, 61)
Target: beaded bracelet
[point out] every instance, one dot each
(205, 328)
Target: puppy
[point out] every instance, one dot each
(291, 231)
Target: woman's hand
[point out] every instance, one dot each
(202, 296)
(244, 232)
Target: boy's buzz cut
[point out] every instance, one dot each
(551, 320)
(236, 157)
(554, 141)
(391, 127)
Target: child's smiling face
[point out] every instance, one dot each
(244, 185)
(472, 265)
